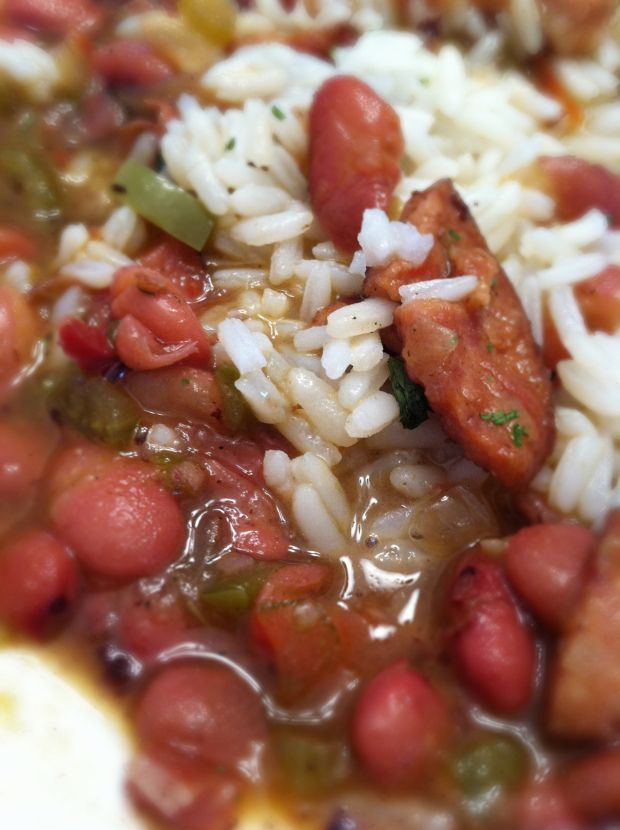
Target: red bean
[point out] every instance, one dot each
(492, 648)
(593, 785)
(547, 564)
(119, 522)
(130, 63)
(544, 806)
(355, 149)
(24, 453)
(578, 186)
(38, 581)
(399, 726)
(56, 17)
(202, 711)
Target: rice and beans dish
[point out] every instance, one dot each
(310, 385)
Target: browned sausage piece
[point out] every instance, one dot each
(575, 26)
(476, 358)
(585, 685)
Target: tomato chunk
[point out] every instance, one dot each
(547, 564)
(38, 581)
(491, 647)
(399, 726)
(355, 149)
(203, 711)
(292, 627)
(130, 63)
(119, 521)
(599, 298)
(87, 345)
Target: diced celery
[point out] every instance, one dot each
(96, 408)
(310, 764)
(491, 761)
(235, 411)
(164, 204)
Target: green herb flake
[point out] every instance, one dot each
(519, 432)
(409, 395)
(454, 340)
(230, 144)
(494, 283)
(425, 81)
(610, 219)
(454, 235)
(500, 417)
(184, 381)
(277, 113)
(490, 347)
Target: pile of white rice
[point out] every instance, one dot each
(323, 386)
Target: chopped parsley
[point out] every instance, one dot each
(454, 235)
(490, 347)
(230, 144)
(184, 381)
(500, 417)
(519, 432)
(409, 395)
(277, 113)
(424, 81)
(454, 340)
(494, 282)
(610, 218)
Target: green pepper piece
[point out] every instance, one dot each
(491, 761)
(98, 409)
(235, 411)
(235, 594)
(164, 204)
(308, 764)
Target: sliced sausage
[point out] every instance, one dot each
(476, 358)
(578, 186)
(585, 681)
(575, 26)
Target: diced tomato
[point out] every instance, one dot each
(24, 453)
(184, 794)
(38, 581)
(593, 785)
(14, 244)
(87, 345)
(18, 333)
(491, 647)
(139, 349)
(356, 145)
(578, 186)
(599, 298)
(548, 566)
(251, 514)
(178, 263)
(54, 17)
(202, 711)
(130, 63)
(119, 521)
(544, 806)
(158, 328)
(399, 726)
(292, 628)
